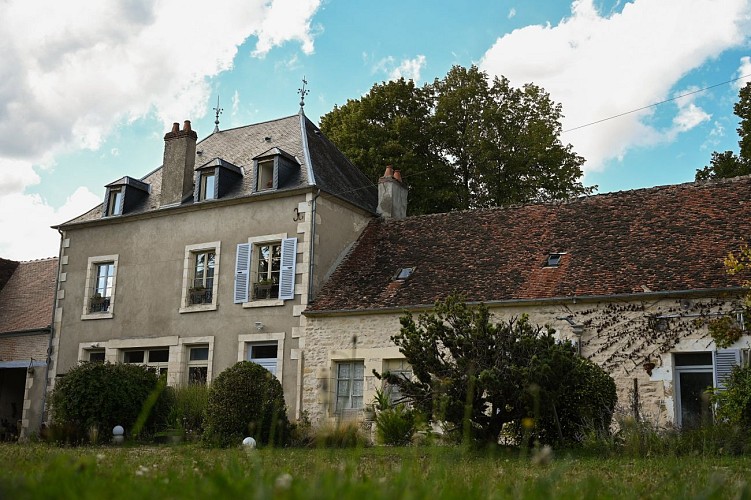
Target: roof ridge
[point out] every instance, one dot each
(43, 259)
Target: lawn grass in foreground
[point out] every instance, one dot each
(40, 471)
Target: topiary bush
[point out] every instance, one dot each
(246, 400)
(92, 398)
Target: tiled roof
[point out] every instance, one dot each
(670, 238)
(6, 270)
(331, 171)
(27, 299)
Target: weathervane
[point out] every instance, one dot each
(303, 92)
(218, 112)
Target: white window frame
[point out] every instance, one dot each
(351, 380)
(203, 193)
(202, 363)
(91, 277)
(255, 243)
(261, 166)
(245, 341)
(157, 365)
(189, 268)
(115, 200)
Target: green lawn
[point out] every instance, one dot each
(41, 471)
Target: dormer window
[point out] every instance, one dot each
(207, 190)
(126, 195)
(265, 175)
(115, 202)
(274, 169)
(216, 179)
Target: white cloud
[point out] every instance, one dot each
(689, 114)
(26, 221)
(511, 13)
(409, 69)
(599, 66)
(744, 71)
(73, 70)
(235, 102)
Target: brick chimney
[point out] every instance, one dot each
(178, 164)
(392, 195)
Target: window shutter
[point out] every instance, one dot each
(287, 272)
(242, 273)
(724, 361)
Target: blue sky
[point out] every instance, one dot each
(89, 92)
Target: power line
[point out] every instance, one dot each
(656, 104)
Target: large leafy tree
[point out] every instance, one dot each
(480, 376)
(729, 164)
(464, 141)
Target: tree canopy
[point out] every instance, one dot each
(729, 164)
(486, 378)
(464, 141)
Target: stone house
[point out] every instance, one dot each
(27, 292)
(211, 258)
(631, 277)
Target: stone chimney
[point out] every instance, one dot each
(178, 164)
(392, 195)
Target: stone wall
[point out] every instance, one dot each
(618, 335)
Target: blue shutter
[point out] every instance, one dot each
(287, 271)
(242, 272)
(724, 361)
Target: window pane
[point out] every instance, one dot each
(198, 375)
(356, 402)
(207, 186)
(342, 388)
(199, 353)
(357, 387)
(133, 357)
(158, 355)
(693, 359)
(359, 370)
(96, 356)
(263, 351)
(343, 370)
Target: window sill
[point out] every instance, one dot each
(263, 303)
(102, 315)
(198, 308)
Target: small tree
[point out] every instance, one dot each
(246, 400)
(103, 395)
(734, 401)
(485, 378)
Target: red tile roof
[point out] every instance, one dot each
(26, 301)
(668, 238)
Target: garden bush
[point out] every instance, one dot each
(395, 425)
(341, 435)
(92, 398)
(246, 400)
(734, 401)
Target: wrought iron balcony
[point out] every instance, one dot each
(200, 296)
(265, 290)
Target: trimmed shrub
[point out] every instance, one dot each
(246, 400)
(92, 398)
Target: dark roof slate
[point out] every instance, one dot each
(331, 171)
(669, 238)
(27, 299)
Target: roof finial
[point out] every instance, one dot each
(303, 92)
(218, 111)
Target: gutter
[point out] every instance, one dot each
(699, 292)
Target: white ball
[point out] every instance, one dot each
(249, 442)
(118, 430)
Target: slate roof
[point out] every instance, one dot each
(662, 239)
(322, 165)
(27, 299)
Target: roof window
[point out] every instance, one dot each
(404, 273)
(553, 260)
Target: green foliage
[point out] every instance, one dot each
(464, 141)
(396, 425)
(725, 331)
(734, 402)
(103, 395)
(728, 164)
(246, 400)
(188, 409)
(483, 377)
(342, 435)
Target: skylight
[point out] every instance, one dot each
(404, 273)
(553, 260)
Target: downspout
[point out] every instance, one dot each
(52, 327)
(312, 244)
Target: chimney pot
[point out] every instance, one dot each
(398, 175)
(186, 126)
(389, 171)
(175, 128)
